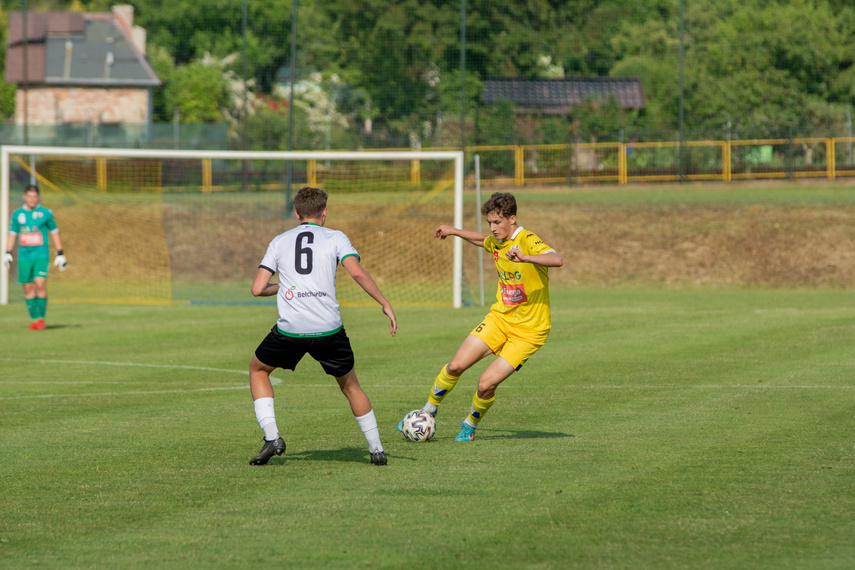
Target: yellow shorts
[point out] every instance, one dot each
(513, 343)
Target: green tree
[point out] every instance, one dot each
(763, 63)
(199, 92)
(396, 51)
(767, 64)
(267, 129)
(164, 67)
(190, 29)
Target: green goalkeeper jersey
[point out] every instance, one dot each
(32, 228)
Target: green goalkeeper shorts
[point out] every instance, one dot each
(31, 269)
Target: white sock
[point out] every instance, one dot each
(266, 418)
(430, 408)
(368, 424)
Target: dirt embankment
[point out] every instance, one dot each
(756, 245)
(773, 246)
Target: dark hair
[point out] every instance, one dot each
(310, 202)
(503, 203)
(31, 188)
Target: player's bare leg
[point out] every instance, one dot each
(349, 385)
(40, 285)
(262, 396)
(497, 372)
(259, 379)
(360, 405)
(471, 351)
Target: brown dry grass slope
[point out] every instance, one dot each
(750, 245)
(796, 245)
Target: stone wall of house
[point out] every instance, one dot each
(56, 106)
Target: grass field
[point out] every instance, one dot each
(657, 428)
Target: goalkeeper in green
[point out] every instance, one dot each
(30, 227)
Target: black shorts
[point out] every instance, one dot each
(332, 351)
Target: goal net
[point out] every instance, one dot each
(158, 226)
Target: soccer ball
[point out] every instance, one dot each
(419, 426)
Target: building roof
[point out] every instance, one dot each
(557, 96)
(73, 48)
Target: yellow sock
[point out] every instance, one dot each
(479, 408)
(443, 384)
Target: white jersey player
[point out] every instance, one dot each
(306, 259)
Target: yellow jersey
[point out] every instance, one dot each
(523, 294)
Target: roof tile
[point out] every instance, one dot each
(557, 95)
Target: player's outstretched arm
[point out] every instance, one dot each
(261, 286)
(475, 238)
(364, 279)
(548, 259)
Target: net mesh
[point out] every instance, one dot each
(194, 230)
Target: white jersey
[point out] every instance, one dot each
(306, 258)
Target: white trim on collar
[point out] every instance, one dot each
(519, 229)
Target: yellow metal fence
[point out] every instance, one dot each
(624, 163)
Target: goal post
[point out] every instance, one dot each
(165, 226)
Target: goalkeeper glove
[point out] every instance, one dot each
(8, 259)
(60, 261)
